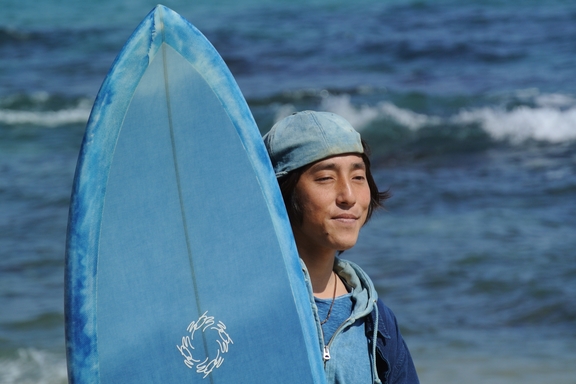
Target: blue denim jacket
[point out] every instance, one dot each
(391, 362)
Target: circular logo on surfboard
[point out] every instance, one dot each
(213, 336)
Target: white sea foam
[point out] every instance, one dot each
(551, 119)
(76, 115)
(357, 116)
(408, 118)
(33, 366)
(524, 123)
(362, 116)
(555, 100)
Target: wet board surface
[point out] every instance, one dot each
(180, 265)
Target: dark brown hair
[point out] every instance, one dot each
(288, 185)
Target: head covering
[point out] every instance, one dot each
(306, 137)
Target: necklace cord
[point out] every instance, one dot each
(333, 299)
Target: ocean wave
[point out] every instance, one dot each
(42, 109)
(523, 123)
(33, 366)
(547, 118)
(362, 116)
(45, 119)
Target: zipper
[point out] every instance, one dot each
(326, 354)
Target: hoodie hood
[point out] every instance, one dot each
(364, 294)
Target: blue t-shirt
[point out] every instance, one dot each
(349, 357)
(341, 311)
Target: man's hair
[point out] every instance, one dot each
(288, 185)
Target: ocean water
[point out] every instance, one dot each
(470, 111)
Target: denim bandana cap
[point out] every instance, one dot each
(306, 137)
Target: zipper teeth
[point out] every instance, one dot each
(326, 349)
(337, 331)
(350, 320)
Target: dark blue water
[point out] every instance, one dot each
(469, 108)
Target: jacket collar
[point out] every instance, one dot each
(364, 294)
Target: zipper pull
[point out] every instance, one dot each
(326, 354)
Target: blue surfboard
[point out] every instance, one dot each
(180, 262)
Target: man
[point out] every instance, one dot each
(324, 175)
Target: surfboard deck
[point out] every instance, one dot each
(180, 262)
